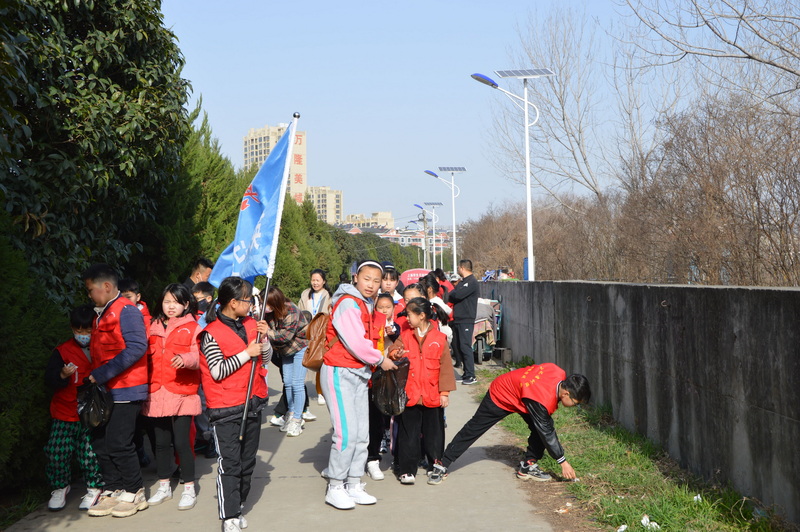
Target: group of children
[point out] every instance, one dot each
(160, 366)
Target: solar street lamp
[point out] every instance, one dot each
(524, 75)
(454, 192)
(433, 205)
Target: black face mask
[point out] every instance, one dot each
(202, 305)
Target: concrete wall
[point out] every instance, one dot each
(710, 373)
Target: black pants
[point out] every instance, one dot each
(378, 423)
(487, 416)
(283, 404)
(236, 462)
(116, 452)
(462, 346)
(416, 420)
(170, 431)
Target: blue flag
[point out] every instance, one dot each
(255, 245)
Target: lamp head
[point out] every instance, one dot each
(486, 80)
(432, 173)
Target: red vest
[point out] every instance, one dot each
(338, 355)
(162, 346)
(107, 342)
(64, 405)
(424, 366)
(231, 390)
(537, 382)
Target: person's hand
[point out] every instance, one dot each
(444, 400)
(177, 362)
(387, 364)
(68, 370)
(397, 353)
(566, 471)
(254, 349)
(91, 378)
(263, 328)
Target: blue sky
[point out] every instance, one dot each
(383, 89)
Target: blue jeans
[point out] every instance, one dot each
(294, 380)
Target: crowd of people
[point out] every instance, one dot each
(191, 374)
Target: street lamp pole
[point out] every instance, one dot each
(524, 75)
(433, 205)
(454, 192)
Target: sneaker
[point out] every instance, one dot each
(459, 379)
(530, 469)
(469, 381)
(338, 497)
(308, 416)
(320, 400)
(58, 498)
(406, 479)
(231, 525)
(287, 419)
(276, 421)
(374, 470)
(90, 499)
(385, 442)
(104, 506)
(163, 493)
(188, 500)
(437, 474)
(359, 494)
(294, 427)
(242, 520)
(130, 503)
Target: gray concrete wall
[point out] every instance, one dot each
(709, 373)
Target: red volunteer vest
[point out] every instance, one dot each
(231, 390)
(64, 405)
(537, 382)
(424, 366)
(338, 355)
(107, 342)
(160, 351)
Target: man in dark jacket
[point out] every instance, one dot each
(465, 305)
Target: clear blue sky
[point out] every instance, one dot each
(383, 88)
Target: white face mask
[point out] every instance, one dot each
(82, 339)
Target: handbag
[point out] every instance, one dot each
(94, 404)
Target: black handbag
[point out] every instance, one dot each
(94, 404)
(388, 389)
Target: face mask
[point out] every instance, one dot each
(82, 339)
(202, 305)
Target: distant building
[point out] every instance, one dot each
(259, 142)
(328, 204)
(378, 219)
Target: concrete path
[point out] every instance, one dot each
(288, 492)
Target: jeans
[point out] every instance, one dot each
(294, 378)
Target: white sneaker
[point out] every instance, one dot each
(406, 479)
(288, 417)
(359, 494)
(188, 500)
(276, 421)
(293, 427)
(374, 470)
(163, 493)
(231, 525)
(320, 400)
(58, 498)
(90, 499)
(130, 503)
(308, 416)
(242, 520)
(105, 505)
(338, 497)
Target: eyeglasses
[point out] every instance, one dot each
(248, 301)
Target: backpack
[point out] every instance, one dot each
(316, 332)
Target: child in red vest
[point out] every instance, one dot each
(69, 364)
(430, 381)
(173, 362)
(345, 372)
(228, 346)
(117, 347)
(130, 289)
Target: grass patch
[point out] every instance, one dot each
(624, 476)
(17, 504)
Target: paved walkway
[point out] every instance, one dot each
(288, 492)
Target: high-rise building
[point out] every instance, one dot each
(328, 204)
(259, 142)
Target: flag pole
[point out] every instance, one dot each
(270, 268)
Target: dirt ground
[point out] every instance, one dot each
(554, 503)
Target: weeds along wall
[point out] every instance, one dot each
(709, 373)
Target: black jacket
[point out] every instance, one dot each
(465, 300)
